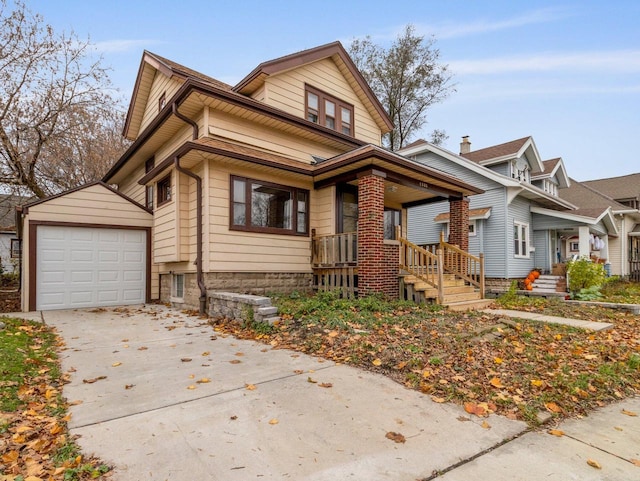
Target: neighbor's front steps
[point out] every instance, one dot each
(457, 294)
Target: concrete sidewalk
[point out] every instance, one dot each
(259, 412)
(535, 316)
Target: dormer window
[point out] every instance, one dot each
(550, 187)
(520, 171)
(326, 110)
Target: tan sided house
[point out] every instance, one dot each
(278, 183)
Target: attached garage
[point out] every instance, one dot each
(90, 247)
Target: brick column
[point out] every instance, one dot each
(459, 223)
(377, 268)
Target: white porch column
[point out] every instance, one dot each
(604, 252)
(583, 241)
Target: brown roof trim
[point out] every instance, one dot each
(220, 150)
(311, 55)
(193, 85)
(374, 151)
(25, 207)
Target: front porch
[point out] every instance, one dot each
(441, 273)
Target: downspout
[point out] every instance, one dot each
(199, 251)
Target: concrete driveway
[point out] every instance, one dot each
(263, 414)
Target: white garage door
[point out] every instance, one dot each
(89, 267)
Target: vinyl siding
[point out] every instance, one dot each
(166, 241)
(519, 211)
(131, 188)
(323, 211)
(286, 91)
(230, 127)
(437, 162)
(161, 84)
(542, 255)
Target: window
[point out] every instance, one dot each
(164, 190)
(149, 197)
(16, 248)
(391, 221)
(177, 286)
(323, 109)
(520, 239)
(520, 171)
(266, 207)
(472, 229)
(574, 246)
(550, 187)
(162, 101)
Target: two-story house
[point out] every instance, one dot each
(274, 184)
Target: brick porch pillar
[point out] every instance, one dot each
(459, 223)
(377, 267)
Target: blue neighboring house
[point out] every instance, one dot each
(521, 221)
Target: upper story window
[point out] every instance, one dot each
(162, 101)
(520, 171)
(266, 207)
(164, 190)
(323, 109)
(550, 187)
(148, 165)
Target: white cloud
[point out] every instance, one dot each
(618, 61)
(115, 46)
(462, 29)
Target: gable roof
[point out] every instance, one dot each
(339, 55)
(589, 202)
(515, 187)
(622, 187)
(554, 167)
(508, 151)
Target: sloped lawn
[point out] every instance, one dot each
(486, 363)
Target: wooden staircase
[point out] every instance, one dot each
(450, 276)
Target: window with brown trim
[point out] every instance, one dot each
(164, 190)
(324, 109)
(267, 207)
(149, 197)
(149, 164)
(16, 248)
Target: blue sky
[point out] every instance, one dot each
(566, 73)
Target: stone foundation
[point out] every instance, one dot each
(255, 283)
(498, 285)
(241, 307)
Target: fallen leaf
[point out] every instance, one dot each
(185, 359)
(250, 387)
(309, 379)
(553, 407)
(75, 403)
(239, 353)
(233, 418)
(629, 413)
(594, 464)
(376, 362)
(192, 376)
(273, 421)
(439, 400)
(191, 387)
(401, 365)
(497, 360)
(128, 386)
(495, 382)
(537, 383)
(485, 425)
(325, 384)
(116, 364)
(91, 381)
(142, 348)
(635, 462)
(333, 334)
(556, 432)
(235, 361)
(204, 380)
(395, 437)
(205, 353)
(298, 371)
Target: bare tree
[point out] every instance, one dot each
(407, 79)
(57, 114)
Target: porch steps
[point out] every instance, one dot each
(470, 305)
(456, 292)
(549, 284)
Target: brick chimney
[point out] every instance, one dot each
(465, 145)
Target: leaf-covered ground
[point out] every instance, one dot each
(486, 363)
(34, 440)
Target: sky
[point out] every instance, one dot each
(566, 73)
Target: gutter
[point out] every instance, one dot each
(199, 251)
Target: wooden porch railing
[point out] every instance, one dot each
(430, 267)
(334, 259)
(634, 270)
